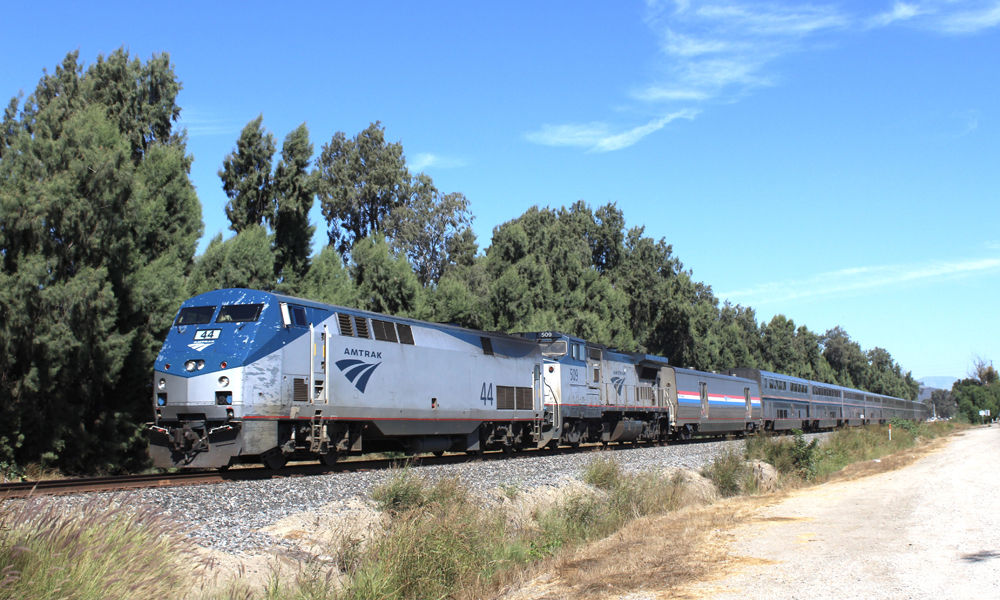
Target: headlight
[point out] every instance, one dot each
(161, 383)
(190, 366)
(224, 381)
(201, 365)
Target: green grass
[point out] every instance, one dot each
(792, 456)
(438, 540)
(789, 455)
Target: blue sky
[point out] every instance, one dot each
(836, 162)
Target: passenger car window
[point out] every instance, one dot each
(195, 315)
(239, 313)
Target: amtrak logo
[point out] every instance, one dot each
(357, 372)
(619, 383)
(199, 346)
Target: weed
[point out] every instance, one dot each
(603, 472)
(538, 551)
(792, 457)
(400, 491)
(511, 490)
(910, 427)
(727, 471)
(444, 543)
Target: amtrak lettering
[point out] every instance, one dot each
(364, 353)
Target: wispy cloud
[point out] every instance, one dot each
(200, 123)
(713, 51)
(972, 21)
(969, 120)
(861, 279)
(952, 17)
(710, 49)
(901, 11)
(422, 161)
(599, 137)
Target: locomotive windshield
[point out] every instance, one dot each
(195, 315)
(239, 313)
(557, 348)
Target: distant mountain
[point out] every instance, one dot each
(941, 382)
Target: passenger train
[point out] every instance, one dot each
(251, 376)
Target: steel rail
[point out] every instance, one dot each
(54, 487)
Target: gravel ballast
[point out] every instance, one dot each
(229, 516)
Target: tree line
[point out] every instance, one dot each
(979, 390)
(99, 223)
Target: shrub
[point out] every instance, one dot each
(727, 471)
(804, 456)
(910, 427)
(400, 491)
(789, 457)
(442, 541)
(603, 472)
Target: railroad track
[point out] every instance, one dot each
(55, 487)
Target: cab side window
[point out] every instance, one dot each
(299, 316)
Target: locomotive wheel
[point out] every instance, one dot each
(507, 449)
(274, 460)
(329, 459)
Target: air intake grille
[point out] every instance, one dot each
(505, 398)
(384, 330)
(405, 334)
(523, 398)
(361, 324)
(300, 390)
(345, 324)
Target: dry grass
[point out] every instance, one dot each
(888, 463)
(660, 552)
(106, 548)
(668, 554)
(623, 533)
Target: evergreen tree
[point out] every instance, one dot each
(294, 188)
(246, 178)
(360, 181)
(385, 282)
(328, 281)
(462, 295)
(425, 226)
(542, 277)
(139, 97)
(845, 357)
(98, 226)
(243, 261)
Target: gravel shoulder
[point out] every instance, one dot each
(928, 530)
(248, 518)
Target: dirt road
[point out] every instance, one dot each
(930, 530)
